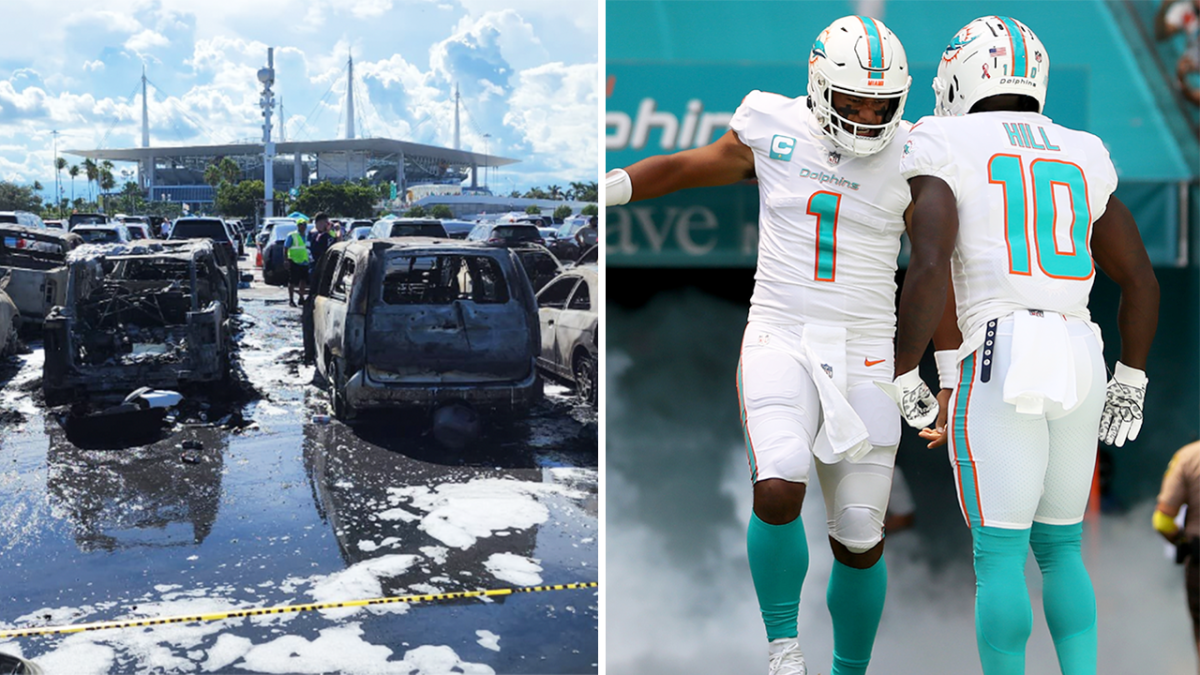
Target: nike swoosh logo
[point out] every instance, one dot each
(868, 363)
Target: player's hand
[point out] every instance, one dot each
(938, 435)
(917, 404)
(1123, 404)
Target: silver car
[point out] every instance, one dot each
(567, 313)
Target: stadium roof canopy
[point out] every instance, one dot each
(373, 146)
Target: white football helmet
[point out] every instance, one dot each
(858, 55)
(991, 55)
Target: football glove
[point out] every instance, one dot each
(917, 403)
(1123, 405)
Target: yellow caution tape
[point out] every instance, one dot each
(284, 609)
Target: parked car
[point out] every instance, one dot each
(138, 230)
(567, 312)
(110, 233)
(458, 229)
(23, 218)
(505, 234)
(563, 244)
(213, 229)
(56, 225)
(359, 233)
(420, 323)
(263, 238)
(121, 327)
(35, 265)
(274, 248)
(407, 227)
(76, 219)
(539, 263)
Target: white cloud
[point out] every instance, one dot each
(117, 22)
(93, 66)
(145, 41)
(555, 108)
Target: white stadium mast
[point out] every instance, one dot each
(350, 101)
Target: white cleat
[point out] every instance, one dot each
(785, 658)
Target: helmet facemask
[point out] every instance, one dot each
(858, 57)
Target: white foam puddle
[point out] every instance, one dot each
(458, 514)
(515, 569)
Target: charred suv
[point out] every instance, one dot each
(138, 315)
(419, 323)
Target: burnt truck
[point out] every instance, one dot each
(138, 314)
(35, 264)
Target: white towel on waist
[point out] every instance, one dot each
(1043, 363)
(842, 434)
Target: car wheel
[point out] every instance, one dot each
(584, 370)
(342, 409)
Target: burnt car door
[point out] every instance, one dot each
(552, 304)
(448, 317)
(330, 306)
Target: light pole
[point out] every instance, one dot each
(267, 77)
(57, 189)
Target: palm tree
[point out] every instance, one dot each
(93, 174)
(107, 182)
(555, 191)
(74, 173)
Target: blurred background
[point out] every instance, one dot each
(680, 274)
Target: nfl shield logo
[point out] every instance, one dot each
(828, 369)
(834, 158)
(764, 339)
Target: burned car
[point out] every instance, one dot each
(421, 323)
(35, 263)
(567, 311)
(136, 315)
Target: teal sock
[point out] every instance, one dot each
(855, 598)
(1067, 596)
(1003, 616)
(778, 562)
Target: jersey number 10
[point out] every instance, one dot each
(1009, 173)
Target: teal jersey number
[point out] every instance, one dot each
(824, 205)
(1009, 173)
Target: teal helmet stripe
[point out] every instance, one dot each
(1017, 39)
(874, 46)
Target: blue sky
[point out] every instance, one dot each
(527, 71)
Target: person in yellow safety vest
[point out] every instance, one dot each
(296, 247)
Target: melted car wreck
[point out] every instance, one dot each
(135, 315)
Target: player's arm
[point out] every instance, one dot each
(946, 340)
(1118, 249)
(923, 301)
(725, 161)
(1164, 521)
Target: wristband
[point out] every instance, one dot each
(617, 188)
(1129, 376)
(947, 367)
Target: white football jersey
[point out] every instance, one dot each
(829, 224)
(1028, 191)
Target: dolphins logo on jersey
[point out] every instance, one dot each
(961, 40)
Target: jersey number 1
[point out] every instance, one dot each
(824, 205)
(1008, 172)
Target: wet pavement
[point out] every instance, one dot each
(268, 507)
